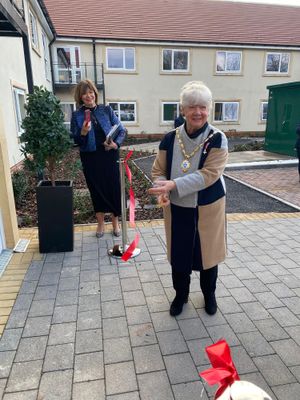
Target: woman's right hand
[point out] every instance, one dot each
(85, 128)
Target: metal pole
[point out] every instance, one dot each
(123, 204)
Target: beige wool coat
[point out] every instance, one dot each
(212, 217)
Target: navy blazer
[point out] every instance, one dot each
(105, 117)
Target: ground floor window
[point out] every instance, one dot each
(67, 109)
(226, 111)
(125, 111)
(263, 111)
(170, 111)
(19, 101)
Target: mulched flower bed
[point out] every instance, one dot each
(70, 169)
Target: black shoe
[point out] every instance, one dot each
(210, 304)
(177, 306)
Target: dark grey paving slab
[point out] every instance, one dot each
(159, 381)
(24, 376)
(120, 378)
(56, 385)
(88, 367)
(93, 390)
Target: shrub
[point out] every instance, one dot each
(45, 138)
(21, 186)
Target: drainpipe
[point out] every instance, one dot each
(94, 59)
(51, 61)
(28, 66)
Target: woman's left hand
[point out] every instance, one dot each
(110, 146)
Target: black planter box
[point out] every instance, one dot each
(55, 216)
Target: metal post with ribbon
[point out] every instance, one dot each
(126, 251)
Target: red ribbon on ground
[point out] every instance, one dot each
(133, 245)
(223, 372)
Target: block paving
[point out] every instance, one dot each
(82, 325)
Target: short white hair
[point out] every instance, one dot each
(195, 93)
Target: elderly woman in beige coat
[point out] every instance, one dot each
(188, 181)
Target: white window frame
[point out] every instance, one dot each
(163, 103)
(119, 110)
(227, 120)
(123, 68)
(228, 71)
(33, 30)
(261, 111)
(16, 92)
(277, 72)
(172, 61)
(74, 69)
(68, 124)
(45, 42)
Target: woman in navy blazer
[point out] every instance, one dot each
(99, 157)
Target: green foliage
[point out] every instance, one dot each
(252, 146)
(21, 186)
(83, 208)
(45, 138)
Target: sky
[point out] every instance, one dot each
(284, 2)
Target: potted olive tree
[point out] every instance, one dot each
(45, 141)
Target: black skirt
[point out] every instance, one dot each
(102, 175)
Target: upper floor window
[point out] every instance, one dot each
(263, 111)
(19, 102)
(228, 61)
(67, 65)
(125, 111)
(226, 111)
(170, 111)
(120, 58)
(46, 55)
(67, 109)
(277, 63)
(175, 60)
(33, 30)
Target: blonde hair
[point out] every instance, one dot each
(195, 93)
(81, 88)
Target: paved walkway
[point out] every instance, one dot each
(280, 182)
(84, 326)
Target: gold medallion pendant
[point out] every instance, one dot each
(185, 165)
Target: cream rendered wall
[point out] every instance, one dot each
(37, 54)
(12, 73)
(148, 86)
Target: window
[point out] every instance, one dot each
(170, 111)
(228, 61)
(33, 30)
(19, 100)
(67, 63)
(263, 111)
(46, 55)
(277, 63)
(67, 109)
(125, 111)
(175, 60)
(226, 111)
(120, 58)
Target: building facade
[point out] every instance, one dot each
(143, 81)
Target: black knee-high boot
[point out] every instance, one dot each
(208, 281)
(181, 284)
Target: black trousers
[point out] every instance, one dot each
(208, 281)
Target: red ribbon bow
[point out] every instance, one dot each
(223, 372)
(129, 251)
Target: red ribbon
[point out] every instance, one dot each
(131, 192)
(133, 245)
(223, 372)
